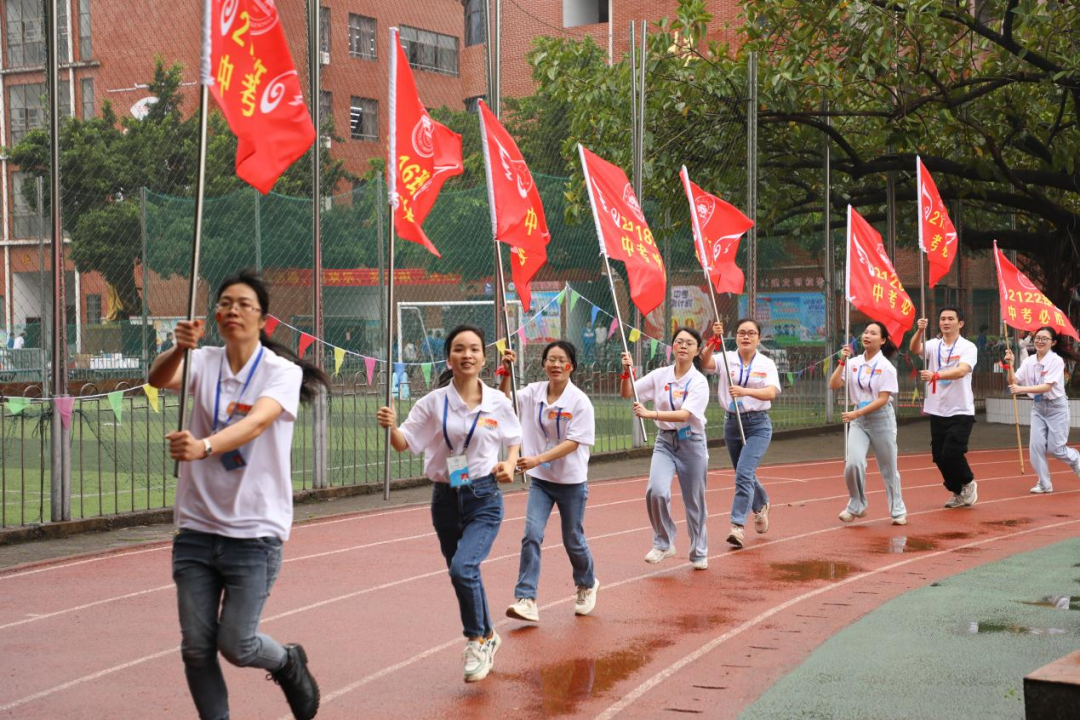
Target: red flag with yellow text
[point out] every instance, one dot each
(873, 286)
(423, 154)
(718, 226)
(937, 236)
(1023, 306)
(248, 69)
(623, 233)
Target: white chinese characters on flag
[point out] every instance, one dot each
(873, 286)
(718, 226)
(248, 69)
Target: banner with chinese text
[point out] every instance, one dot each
(1023, 306)
(872, 283)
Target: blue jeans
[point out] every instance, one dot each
(570, 499)
(466, 520)
(222, 584)
(749, 493)
(689, 459)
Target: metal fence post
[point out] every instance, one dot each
(830, 265)
(319, 429)
(751, 184)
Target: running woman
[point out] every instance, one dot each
(680, 394)
(950, 403)
(1042, 377)
(234, 496)
(872, 384)
(753, 385)
(557, 429)
(460, 428)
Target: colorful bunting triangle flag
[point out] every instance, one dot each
(16, 405)
(635, 335)
(369, 365)
(152, 396)
(339, 358)
(64, 405)
(426, 370)
(573, 299)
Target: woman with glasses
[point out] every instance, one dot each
(750, 389)
(234, 497)
(1042, 377)
(871, 384)
(680, 394)
(557, 429)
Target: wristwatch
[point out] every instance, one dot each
(207, 447)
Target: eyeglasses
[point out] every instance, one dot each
(556, 361)
(1043, 338)
(242, 306)
(684, 342)
(747, 333)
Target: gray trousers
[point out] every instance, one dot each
(689, 459)
(876, 430)
(1049, 436)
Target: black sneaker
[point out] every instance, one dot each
(299, 686)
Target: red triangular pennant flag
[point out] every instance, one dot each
(937, 236)
(523, 267)
(247, 66)
(271, 325)
(623, 233)
(1023, 306)
(305, 343)
(718, 226)
(872, 283)
(423, 154)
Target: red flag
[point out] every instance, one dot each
(523, 266)
(872, 283)
(623, 233)
(718, 227)
(1022, 305)
(517, 215)
(937, 236)
(247, 66)
(423, 154)
(305, 342)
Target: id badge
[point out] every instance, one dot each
(863, 404)
(233, 460)
(944, 383)
(458, 467)
(547, 446)
(1038, 397)
(684, 432)
(734, 404)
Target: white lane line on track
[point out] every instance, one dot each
(66, 611)
(457, 641)
(635, 694)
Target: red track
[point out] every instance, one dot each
(369, 598)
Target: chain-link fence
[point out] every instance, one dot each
(127, 159)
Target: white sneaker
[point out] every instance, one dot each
(848, 516)
(477, 661)
(900, 520)
(761, 519)
(702, 564)
(586, 598)
(735, 537)
(524, 609)
(955, 501)
(656, 555)
(1076, 469)
(1040, 490)
(970, 493)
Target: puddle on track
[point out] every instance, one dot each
(806, 570)
(1057, 602)
(978, 627)
(900, 544)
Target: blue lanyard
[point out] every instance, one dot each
(948, 355)
(558, 421)
(744, 380)
(446, 436)
(217, 395)
(870, 381)
(671, 397)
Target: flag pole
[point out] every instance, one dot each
(611, 281)
(847, 324)
(391, 189)
(922, 252)
(700, 239)
(1005, 337)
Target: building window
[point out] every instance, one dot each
(362, 41)
(89, 108)
(475, 29)
(93, 309)
(28, 105)
(27, 221)
(584, 12)
(86, 43)
(430, 51)
(326, 105)
(472, 103)
(364, 118)
(324, 29)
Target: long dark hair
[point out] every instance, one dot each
(888, 349)
(447, 375)
(739, 323)
(1056, 338)
(568, 348)
(313, 375)
(694, 334)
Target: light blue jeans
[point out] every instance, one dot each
(1050, 436)
(749, 492)
(222, 584)
(570, 499)
(689, 459)
(878, 431)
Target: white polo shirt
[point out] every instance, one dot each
(255, 500)
(953, 397)
(759, 373)
(496, 427)
(1050, 370)
(690, 392)
(865, 380)
(570, 417)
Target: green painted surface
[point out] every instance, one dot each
(957, 649)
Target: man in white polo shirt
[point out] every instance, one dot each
(948, 362)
